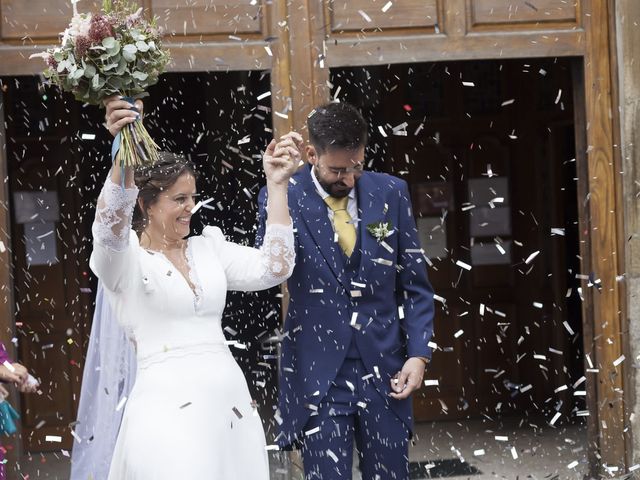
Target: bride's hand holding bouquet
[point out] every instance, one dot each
(114, 52)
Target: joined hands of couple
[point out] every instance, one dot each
(280, 160)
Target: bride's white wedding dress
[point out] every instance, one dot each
(189, 415)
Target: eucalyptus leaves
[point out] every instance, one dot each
(115, 52)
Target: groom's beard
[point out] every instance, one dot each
(337, 190)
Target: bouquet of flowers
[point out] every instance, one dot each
(115, 52)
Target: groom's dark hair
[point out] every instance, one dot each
(337, 125)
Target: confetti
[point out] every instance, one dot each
(121, 403)
(461, 264)
(531, 257)
(364, 15)
(386, 8)
(618, 360)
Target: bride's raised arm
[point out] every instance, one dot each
(112, 224)
(265, 267)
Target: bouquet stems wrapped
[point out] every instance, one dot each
(114, 52)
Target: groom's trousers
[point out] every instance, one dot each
(354, 409)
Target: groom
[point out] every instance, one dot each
(361, 308)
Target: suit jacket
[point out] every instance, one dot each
(387, 307)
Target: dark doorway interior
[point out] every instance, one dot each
(488, 150)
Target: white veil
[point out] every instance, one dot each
(109, 374)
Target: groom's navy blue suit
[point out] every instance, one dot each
(363, 315)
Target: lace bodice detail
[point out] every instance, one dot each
(114, 212)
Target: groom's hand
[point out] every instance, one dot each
(409, 379)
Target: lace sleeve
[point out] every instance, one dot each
(250, 269)
(278, 253)
(113, 216)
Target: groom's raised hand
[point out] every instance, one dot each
(408, 380)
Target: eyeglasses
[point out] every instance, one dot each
(357, 170)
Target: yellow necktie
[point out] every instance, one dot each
(342, 223)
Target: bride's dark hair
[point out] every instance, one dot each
(152, 181)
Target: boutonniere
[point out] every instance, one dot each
(380, 230)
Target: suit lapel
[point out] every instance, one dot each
(314, 213)
(371, 209)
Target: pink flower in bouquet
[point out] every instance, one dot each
(82, 45)
(101, 28)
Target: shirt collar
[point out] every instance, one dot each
(323, 193)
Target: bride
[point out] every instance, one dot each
(189, 414)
